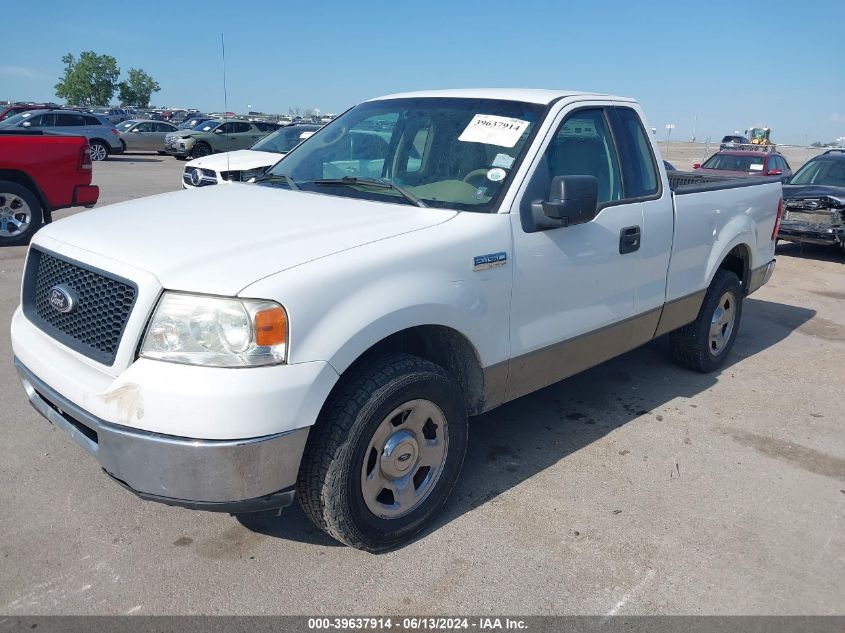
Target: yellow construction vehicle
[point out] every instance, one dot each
(759, 135)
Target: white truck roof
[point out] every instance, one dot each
(529, 95)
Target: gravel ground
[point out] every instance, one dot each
(633, 488)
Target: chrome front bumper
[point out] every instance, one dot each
(217, 475)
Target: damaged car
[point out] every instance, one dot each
(814, 202)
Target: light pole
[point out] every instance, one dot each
(669, 128)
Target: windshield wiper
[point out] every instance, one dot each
(278, 178)
(372, 182)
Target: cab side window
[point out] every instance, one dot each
(583, 146)
(640, 168)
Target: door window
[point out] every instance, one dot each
(144, 127)
(583, 146)
(240, 128)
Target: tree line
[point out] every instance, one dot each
(92, 80)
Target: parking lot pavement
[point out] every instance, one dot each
(633, 488)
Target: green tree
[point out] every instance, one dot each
(88, 81)
(138, 89)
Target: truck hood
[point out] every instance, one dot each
(243, 159)
(218, 240)
(803, 192)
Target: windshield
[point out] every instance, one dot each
(830, 172)
(190, 124)
(733, 162)
(446, 152)
(206, 126)
(125, 125)
(14, 120)
(283, 140)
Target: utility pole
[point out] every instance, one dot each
(669, 128)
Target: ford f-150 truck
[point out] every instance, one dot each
(326, 331)
(38, 175)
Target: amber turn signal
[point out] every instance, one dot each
(271, 327)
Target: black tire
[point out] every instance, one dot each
(99, 150)
(162, 153)
(201, 149)
(329, 486)
(12, 198)
(691, 345)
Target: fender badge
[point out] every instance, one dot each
(491, 260)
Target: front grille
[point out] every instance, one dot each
(100, 304)
(205, 177)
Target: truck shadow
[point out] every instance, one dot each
(833, 254)
(134, 158)
(522, 438)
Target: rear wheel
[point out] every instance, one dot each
(99, 150)
(20, 214)
(704, 344)
(385, 455)
(200, 149)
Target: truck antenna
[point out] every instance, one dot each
(225, 96)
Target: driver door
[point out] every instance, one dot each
(573, 288)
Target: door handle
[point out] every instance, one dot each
(629, 239)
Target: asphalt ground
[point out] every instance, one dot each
(633, 488)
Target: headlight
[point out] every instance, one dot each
(249, 174)
(216, 331)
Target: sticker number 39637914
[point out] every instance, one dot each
(493, 130)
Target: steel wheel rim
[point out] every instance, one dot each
(722, 323)
(404, 459)
(98, 152)
(15, 215)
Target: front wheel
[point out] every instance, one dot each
(20, 214)
(704, 344)
(200, 149)
(384, 456)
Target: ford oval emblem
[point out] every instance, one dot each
(62, 299)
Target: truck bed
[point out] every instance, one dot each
(682, 182)
(713, 214)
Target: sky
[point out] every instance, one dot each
(709, 67)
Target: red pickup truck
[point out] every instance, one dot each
(38, 175)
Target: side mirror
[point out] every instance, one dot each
(774, 172)
(696, 166)
(26, 123)
(572, 200)
(218, 130)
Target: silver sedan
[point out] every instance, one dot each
(144, 136)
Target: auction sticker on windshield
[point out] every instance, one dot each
(493, 130)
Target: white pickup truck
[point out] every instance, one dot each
(325, 332)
